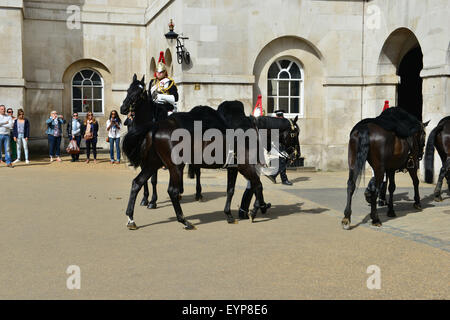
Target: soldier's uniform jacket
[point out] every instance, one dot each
(164, 93)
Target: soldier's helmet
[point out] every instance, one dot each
(161, 67)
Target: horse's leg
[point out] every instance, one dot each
(382, 198)
(231, 183)
(391, 178)
(144, 201)
(379, 175)
(198, 187)
(245, 202)
(154, 180)
(443, 173)
(415, 179)
(136, 185)
(351, 186)
(176, 173)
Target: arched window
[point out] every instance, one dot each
(87, 92)
(285, 87)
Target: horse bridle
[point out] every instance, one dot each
(140, 96)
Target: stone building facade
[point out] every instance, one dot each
(330, 62)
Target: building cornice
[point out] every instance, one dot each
(11, 4)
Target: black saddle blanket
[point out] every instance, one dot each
(395, 119)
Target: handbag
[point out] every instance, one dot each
(88, 136)
(107, 139)
(73, 147)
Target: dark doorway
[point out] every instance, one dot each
(409, 92)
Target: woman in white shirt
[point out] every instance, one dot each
(113, 125)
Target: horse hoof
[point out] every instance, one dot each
(189, 226)
(265, 207)
(234, 221)
(252, 215)
(417, 206)
(377, 224)
(132, 226)
(199, 198)
(391, 214)
(382, 203)
(144, 203)
(345, 224)
(151, 205)
(438, 199)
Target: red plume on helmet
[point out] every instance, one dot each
(161, 58)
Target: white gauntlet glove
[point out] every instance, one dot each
(165, 98)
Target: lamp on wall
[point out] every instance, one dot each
(182, 53)
(171, 34)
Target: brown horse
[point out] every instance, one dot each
(439, 138)
(386, 153)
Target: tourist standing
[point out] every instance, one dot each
(113, 125)
(12, 143)
(90, 135)
(6, 125)
(54, 133)
(74, 133)
(21, 133)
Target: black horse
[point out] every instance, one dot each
(439, 138)
(150, 146)
(386, 153)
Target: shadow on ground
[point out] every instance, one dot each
(273, 213)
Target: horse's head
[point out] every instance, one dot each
(135, 94)
(422, 138)
(289, 139)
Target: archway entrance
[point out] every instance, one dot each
(409, 90)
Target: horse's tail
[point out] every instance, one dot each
(191, 171)
(135, 141)
(362, 152)
(429, 156)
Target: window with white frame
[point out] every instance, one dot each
(87, 92)
(285, 87)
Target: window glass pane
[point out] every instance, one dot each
(284, 88)
(284, 64)
(87, 73)
(295, 105)
(96, 79)
(76, 92)
(77, 79)
(273, 71)
(295, 71)
(272, 88)
(283, 104)
(97, 92)
(270, 104)
(87, 105)
(284, 75)
(295, 88)
(98, 106)
(87, 93)
(76, 106)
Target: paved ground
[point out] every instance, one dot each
(61, 214)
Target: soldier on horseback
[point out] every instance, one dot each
(164, 92)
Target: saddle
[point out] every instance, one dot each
(402, 123)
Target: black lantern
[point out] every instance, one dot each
(182, 53)
(171, 34)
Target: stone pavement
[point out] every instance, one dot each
(61, 214)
